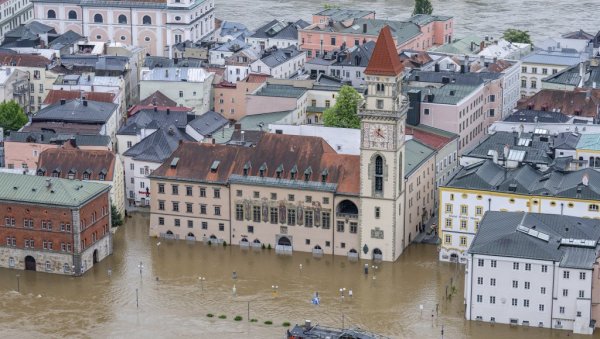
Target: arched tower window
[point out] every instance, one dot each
(98, 18)
(378, 174)
(51, 14)
(146, 20)
(122, 19)
(72, 15)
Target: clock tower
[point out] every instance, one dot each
(382, 154)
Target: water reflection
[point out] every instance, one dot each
(100, 305)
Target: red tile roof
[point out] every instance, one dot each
(257, 78)
(580, 102)
(67, 158)
(385, 59)
(159, 99)
(55, 95)
(274, 150)
(24, 60)
(429, 138)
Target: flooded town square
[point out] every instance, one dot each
(174, 302)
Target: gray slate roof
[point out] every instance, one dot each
(56, 138)
(280, 56)
(161, 62)
(526, 180)
(469, 79)
(416, 153)
(538, 236)
(536, 152)
(76, 111)
(526, 115)
(276, 90)
(67, 38)
(277, 29)
(149, 118)
(208, 123)
(158, 146)
(356, 56)
(552, 58)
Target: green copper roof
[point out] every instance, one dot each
(415, 154)
(589, 142)
(60, 192)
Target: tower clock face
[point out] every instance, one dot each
(379, 135)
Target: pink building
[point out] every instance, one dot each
(461, 103)
(331, 31)
(153, 24)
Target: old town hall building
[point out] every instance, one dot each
(296, 193)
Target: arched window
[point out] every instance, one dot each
(146, 20)
(51, 14)
(72, 15)
(98, 18)
(378, 174)
(122, 19)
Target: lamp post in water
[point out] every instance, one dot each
(201, 280)
(18, 283)
(141, 266)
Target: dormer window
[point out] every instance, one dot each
(307, 174)
(324, 175)
(215, 166)
(56, 173)
(293, 172)
(247, 168)
(41, 172)
(262, 170)
(279, 171)
(86, 176)
(101, 176)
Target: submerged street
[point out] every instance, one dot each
(103, 303)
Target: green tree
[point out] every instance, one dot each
(116, 217)
(343, 113)
(12, 116)
(517, 35)
(422, 7)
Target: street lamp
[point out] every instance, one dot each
(18, 283)
(342, 292)
(274, 287)
(141, 266)
(158, 246)
(201, 280)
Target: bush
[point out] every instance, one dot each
(210, 315)
(269, 247)
(253, 320)
(209, 243)
(263, 246)
(222, 316)
(238, 318)
(286, 324)
(268, 322)
(224, 243)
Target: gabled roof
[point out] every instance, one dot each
(274, 151)
(277, 29)
(67, 38)
(158, 146)
(35, 190)
(526, 115)
(55, 95)
(77, 111)
(526, 180)
(280, 56)
(59, 139)
(158, 99)
(430, 136)
(92, 162)
(154, 119)
(23, 60)
(384, 59)
(571, 241)
(535, 150)
(416, 154)
(578, 102)
(208, 123)
(161, 62)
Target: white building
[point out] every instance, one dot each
(156, 25)
(541, 64)
(534, 270)
(276, 33)
(280, 63)
(14, 14)
(486, 186)
(188, 86)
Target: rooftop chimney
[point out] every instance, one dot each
(168, 111)
(585, 180)
(85, 103)
(307, 324)
(365, 28)
(506, 150)
(494, 155)
(63, 101)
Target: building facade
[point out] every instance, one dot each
(155, 25)
(534, 269)
(13, 14)
(486, 186)
(53, 225)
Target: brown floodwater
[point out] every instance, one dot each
(100, 304)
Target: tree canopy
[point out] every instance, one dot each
(344, 112)
(422, 7)
(12, 116)
(517, 35)
(116, 217)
